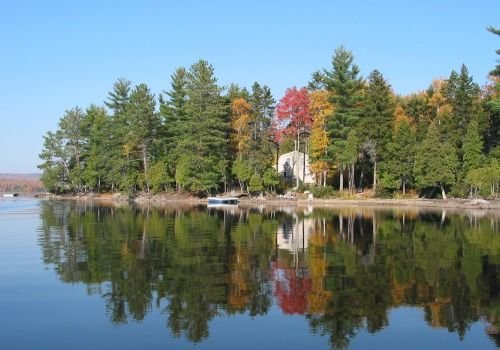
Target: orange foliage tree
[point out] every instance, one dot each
(240, 118)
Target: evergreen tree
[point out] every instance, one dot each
(345, 87)
(97, 167)
(56, 162)
(495, 72)
(117, 152)
(174, 119)
(118, 98)
(492, 103)
(473, 157)
(401, 153)
(376, 120)
(255, 184)
(350, 156)
(462, 94)
(234, 92)
(418, 110)
(204, 148)
(144, 127)
(260, 145)
(317, 81)
(75, 132)
(436, 162)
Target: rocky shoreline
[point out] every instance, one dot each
(273, 201)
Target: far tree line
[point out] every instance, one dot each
(202, 138)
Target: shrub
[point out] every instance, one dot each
(323, 192)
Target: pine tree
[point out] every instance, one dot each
(204, 149)
(345, 88)
(376, 120)
(462, 94)
(96, 170)
(118, 98)
(144, 127)
(174, 119)
(401, 153)
(118, 102)
(495, 72)
(436, 162)
(260, 145)
(492, 103)
(56, 162)
(75, 133)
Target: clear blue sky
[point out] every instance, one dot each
(59, 54)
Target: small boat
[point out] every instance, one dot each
(10, 195)
(223, 201)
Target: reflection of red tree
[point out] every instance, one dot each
(291, 290)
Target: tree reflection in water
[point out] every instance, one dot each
(343, 269)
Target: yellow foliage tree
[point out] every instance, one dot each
(400, 116)
(240, 117)
(438, 102)
(319, 296)
(320, 109)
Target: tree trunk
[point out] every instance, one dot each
(374, 176)
(341, 180)
(145, 160)
(360, 186)
(404, 186)
(443, 193)
(304, 164)
(351, 178)
(298, 162)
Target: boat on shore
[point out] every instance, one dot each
(212, 201)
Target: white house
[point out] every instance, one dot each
(291, 166)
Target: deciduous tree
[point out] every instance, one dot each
(293, 116)
(320, 109)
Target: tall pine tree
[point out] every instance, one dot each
(202, 167)
(345, 87)
(462, 94)
(376, 120)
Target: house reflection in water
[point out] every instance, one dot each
(292, 281)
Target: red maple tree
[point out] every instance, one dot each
(292, 113)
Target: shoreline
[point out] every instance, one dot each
(492, 205)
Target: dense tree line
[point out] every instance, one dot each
(20, 183)
(203, 138)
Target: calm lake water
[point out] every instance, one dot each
(89, 276)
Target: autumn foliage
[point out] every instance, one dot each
(292, 112)
(21, 183)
